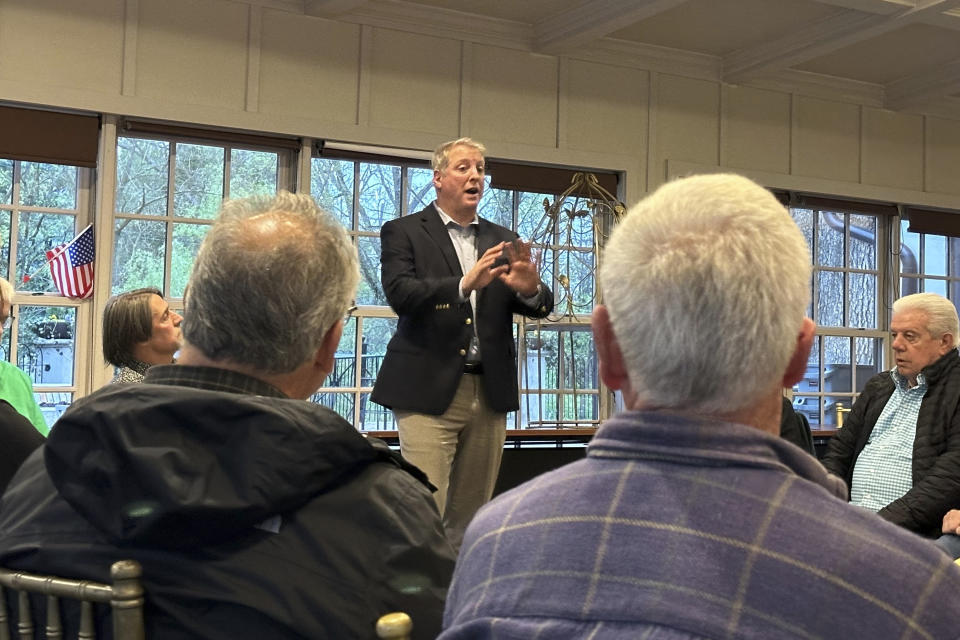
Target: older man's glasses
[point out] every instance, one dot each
(349, 314)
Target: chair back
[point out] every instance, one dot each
(394, 626)
(124, 595)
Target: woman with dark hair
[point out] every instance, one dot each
(139, 331)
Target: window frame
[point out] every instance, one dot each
(286, 180)
(83, 215)
(843, 399)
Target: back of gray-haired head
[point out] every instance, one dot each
(707, 282)
(273, 275)
(941, 313)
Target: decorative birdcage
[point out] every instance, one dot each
(570, 235)
(570, 238)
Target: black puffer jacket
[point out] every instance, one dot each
(253, 517)
(18, 437)
(795, 428)
(936, 447)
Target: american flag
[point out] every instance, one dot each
(71, 265)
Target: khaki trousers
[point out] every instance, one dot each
(459, 451)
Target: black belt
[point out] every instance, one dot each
(473, 367)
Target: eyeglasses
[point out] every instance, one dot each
(349, 314)
(9, 321)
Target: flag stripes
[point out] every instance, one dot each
(71, 265)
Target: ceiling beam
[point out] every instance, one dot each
(591, 20)
(331, 8)
(949, 19)
(822, 37)
(883, 7)
(922, 88)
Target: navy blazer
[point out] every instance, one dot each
(425, 358)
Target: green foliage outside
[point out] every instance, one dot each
(44, 335)
(198, 191)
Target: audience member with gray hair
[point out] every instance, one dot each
(139, 330)
(899, 448)
(689, 517)
(255, 514)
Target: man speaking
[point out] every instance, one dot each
(450, 372)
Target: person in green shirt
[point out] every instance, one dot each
(15, 386)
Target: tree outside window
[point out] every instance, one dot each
(168, 193)
(846, 304)
(41, 206)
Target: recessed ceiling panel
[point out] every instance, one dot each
(892, 56)
(717, 28)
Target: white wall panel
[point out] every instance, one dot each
(892, 149)
(943, 156)
(193, 51)
(309, 67)
(687, 121)
(77, 45)
(606, 108)
(826, 139)
(513, 96)
(415, 82)
(755, 129)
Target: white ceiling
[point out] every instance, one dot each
(897, 54)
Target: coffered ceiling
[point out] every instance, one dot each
(902, 55)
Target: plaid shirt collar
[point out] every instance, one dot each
(704, 442)
(210, 378)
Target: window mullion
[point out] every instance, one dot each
(15, 278)
(847, 279)
(14, 232)
(357, 368)
(168, 226)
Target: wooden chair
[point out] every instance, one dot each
(124, 595)
(394, 626)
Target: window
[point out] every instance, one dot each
(41, 206)
(929, 263)
(363, 195)
(558, 377)
(168, 193)
(848, 307)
